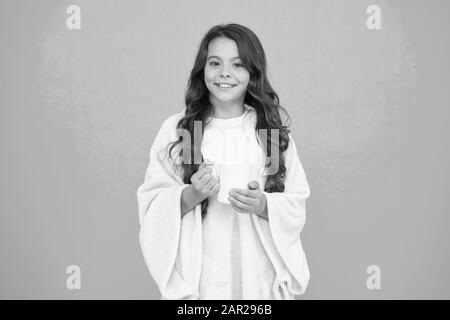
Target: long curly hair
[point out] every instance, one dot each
(259, 95)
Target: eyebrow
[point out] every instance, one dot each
(234, 58)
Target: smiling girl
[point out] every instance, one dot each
(226, 227)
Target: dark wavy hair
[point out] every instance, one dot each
(259, 95)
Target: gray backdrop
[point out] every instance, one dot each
(80, 109)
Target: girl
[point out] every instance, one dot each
(215, 224)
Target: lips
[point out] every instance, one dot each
(224, 85)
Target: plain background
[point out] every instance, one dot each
(80, 109)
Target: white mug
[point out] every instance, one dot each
(232, 176)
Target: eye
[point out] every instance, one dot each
(213, 63)
(239, 65)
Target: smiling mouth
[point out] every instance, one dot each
(225, 85)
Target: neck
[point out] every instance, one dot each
(228, 110)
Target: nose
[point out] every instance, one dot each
(224, 73)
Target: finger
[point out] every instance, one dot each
(194, 177)
(244, 199)
(203, 171)
(237, 209)
(239, 204)
(197, 175)
(205, 163)
(211, 184)
(205, 179)
(208, 162)
(214, 172)
(216, 187)
(246, 192)
(253, 185)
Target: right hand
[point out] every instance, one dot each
(203, 181)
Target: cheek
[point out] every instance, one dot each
(209, 75)
(244, 77)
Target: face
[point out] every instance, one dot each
(224, 66)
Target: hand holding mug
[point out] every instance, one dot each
(205, 181)
(248, 200)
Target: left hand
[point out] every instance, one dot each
(248, 200)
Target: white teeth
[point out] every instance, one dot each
(221, 85)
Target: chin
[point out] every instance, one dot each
(225, 99)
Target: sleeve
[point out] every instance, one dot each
(171, 245)
(280, 235)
